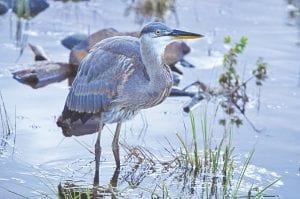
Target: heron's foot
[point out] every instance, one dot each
(114, 178)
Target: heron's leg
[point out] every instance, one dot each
(115, 145)
(114, 178)
(97, 154)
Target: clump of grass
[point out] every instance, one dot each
(70, 191)
(216, 165)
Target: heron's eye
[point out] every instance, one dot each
(157, 32)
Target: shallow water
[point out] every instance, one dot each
(40, 154)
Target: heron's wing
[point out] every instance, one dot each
(102, 73)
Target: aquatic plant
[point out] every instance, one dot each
(231, 91)
(234, 89)
(215, 166)
(69, 191)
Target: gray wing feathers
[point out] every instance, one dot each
(101, 74)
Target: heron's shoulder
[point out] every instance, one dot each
(125, 45)
(112, 57)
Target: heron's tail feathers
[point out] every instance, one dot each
(77, 124)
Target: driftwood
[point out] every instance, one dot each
(43, 73)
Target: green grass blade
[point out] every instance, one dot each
(241, 177)
(268, 186)
(187, 155)
(197, 165)
(205, 133)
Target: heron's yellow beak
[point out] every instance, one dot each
(179, 34)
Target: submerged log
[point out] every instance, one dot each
(43, 73)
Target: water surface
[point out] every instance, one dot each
(40, 154)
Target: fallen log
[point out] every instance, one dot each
(43, 73)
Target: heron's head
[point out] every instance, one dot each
(157, 36)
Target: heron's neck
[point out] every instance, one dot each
(152, 57)
(159, 73)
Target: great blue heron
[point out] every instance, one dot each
(119, 77)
